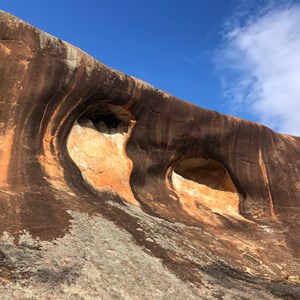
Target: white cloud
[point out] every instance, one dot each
(260, 67)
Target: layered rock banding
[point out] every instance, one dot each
(207, 197)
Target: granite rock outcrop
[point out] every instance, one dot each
(112, 188)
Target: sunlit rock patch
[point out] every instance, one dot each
(202, 182)
(97, 143)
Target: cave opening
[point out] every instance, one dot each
(205, 183)
(97, 143)
(207, 172)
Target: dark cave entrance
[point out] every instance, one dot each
(106, 118)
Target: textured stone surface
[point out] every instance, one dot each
(112, 189)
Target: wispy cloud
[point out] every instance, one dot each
(259, 66)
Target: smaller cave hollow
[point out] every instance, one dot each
(206, 171)
(205, 185)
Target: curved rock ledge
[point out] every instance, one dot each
(208, 202)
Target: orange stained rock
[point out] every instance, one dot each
(266, 180)
(5, 49)
(101, 158)
(6, 142)
(49, 160)
(193, 196)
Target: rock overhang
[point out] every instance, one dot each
(145, 135)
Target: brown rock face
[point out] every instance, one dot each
(112, 189)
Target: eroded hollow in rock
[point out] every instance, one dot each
(106, 118)
(206, 171)
(96, 144)
(205, 182)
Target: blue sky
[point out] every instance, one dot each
(209, 52)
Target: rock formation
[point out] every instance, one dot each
(112, 189)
